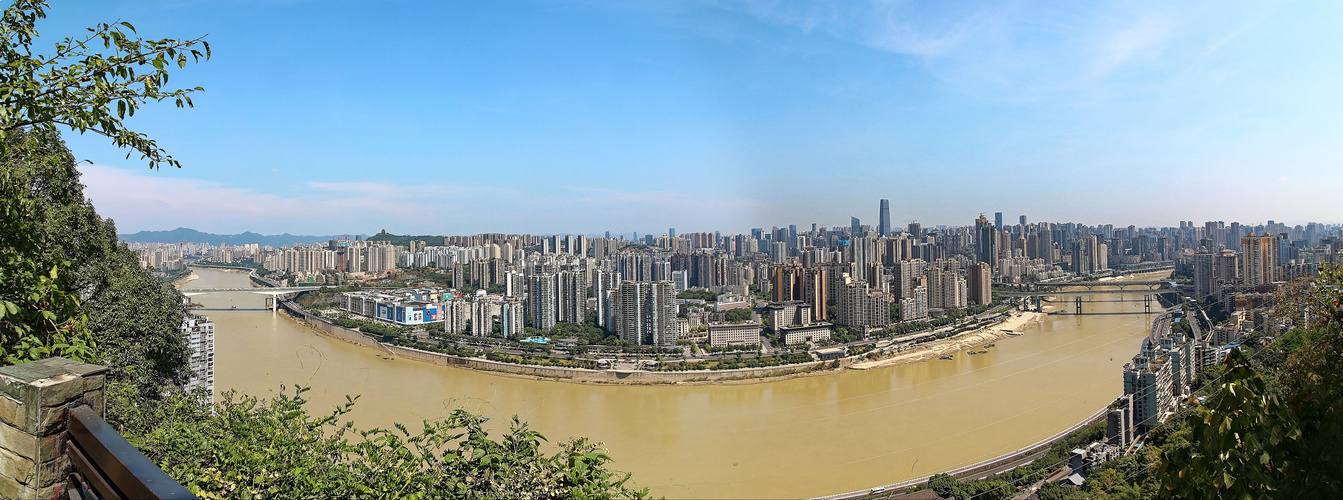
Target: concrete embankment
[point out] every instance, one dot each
(979, 470)
(576, 375)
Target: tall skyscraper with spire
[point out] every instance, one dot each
(884, 224)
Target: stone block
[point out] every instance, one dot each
(97, 401)
(60, 389)
(19, 442)
(48, 447)
(17, 389)
(71, 366)
(50, 420)
(12, 488)
(52, 492)
(50, 471)
(37, 449)
(16, 467)
(94, 382)
(13, 412)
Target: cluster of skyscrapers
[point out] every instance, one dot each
(856, 276)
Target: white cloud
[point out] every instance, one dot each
(1021, 50)
(140, 200)
(1145, 36)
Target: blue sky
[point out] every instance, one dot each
(586, 116)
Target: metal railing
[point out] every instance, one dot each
(105, 466)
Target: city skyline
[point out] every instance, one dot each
(562, 117)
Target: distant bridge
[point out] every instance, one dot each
(275, 292)
(1091, 288)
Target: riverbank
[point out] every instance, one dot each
(1015, 324)
(186, 279)
(741, 376)
(974, 339)
(744, 376)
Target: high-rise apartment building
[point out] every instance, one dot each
(946, 288)
(778, 252)
(1226, 266)
(916, 305)
(979, 281)
(1090, 255)
(905, 276)
(1259, 259)
(793, 283)
(1205, 275)
(482, 317)
(515, 284)
(571, 297)
(199, 332)
(647, 313)
(511, 317)
(858, 305)
(1148, 380)
(456, 315)
(543, 301)
(603, 287)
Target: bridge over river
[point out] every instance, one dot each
(1036, 292)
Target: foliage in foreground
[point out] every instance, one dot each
(1275, 427)
(247, 447)
(39, 316)
(1272, 426)
(68, 285)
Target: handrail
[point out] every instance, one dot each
(106, 463)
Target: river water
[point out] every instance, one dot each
(792, 438)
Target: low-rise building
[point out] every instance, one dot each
(832, 353)
(788, 314)
(797, 335)
(403, 307)
(726, 334)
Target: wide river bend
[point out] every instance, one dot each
(793, 438)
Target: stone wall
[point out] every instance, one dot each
(34, 397)
(320, 323)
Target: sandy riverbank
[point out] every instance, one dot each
(1017, 323)
(186, 279)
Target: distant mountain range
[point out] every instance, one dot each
(187, 235)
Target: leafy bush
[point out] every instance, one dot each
(247, 447)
